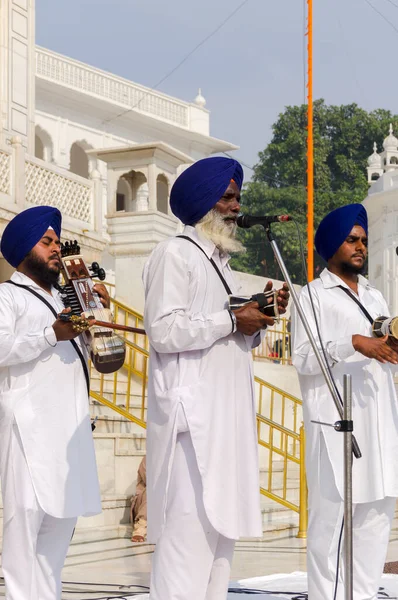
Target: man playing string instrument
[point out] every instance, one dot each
(47, 461)
(202, 440)
(346, 332)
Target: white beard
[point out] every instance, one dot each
(222, 233)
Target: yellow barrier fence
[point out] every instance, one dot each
(276, 345)
(282, 447)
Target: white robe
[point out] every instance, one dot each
(43, 390)
(201, 379)
(375, 409)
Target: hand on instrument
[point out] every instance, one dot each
(375, 348)
(393, 343)
(249, 319)
(283, 298)
(103, 294)
(65, 330)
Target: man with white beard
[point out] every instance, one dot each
(202, 442)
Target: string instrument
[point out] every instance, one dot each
(107, 349)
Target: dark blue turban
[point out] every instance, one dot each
(26, 229)
(201, 186)
(334, 229)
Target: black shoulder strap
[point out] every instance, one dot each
(225, 284)
(361, 306)
(76, 347)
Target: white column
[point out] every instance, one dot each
(97, 199)
(152, 186)
(18, 171)
(112, 189)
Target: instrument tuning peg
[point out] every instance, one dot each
(101, 274)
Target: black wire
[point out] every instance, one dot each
(336, 582)
(199, 45)
(314, 312)
(382, 16)
(330, 373)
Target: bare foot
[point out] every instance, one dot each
(138, 539)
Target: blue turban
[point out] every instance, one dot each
(201, 186)
(26, 229)
(334, 229)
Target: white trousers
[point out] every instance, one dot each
(192, 561)
(34, 543)
(371, 530)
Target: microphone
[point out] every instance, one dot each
(246, 221)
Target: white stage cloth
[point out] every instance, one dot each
(292, 582)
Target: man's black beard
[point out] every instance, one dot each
(349, 268)
(40, 270)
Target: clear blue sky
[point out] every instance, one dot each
(250, 69)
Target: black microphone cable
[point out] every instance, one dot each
(304, 266)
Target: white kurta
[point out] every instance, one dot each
(43, 390)
(375, 409)
(201, 379)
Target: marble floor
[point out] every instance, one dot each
(103, 578)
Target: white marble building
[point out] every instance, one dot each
(103, 149)
(382, 207)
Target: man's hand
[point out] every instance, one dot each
(249, 319)
(282, 296)
(64, 329)
(393, 343)
(375, 348)
(103, 294)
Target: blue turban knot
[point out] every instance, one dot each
(334, 229)
(201, 186)
(26, 229)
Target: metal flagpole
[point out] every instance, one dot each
(310, 150)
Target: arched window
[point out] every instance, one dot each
(375, 176)
(393, 160)
(78, 160)
(162, 193)
(39, 147)
(132, 192)
(43, 144)
(123, 194)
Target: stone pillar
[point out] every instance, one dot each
(112, 189)
(18, 171)
(152, 187)
(97, 199)
(17, 71)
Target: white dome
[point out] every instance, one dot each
(201, 100)
(391, 142)
(375, 159)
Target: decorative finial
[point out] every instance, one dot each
(391, 129)
(200, 100)
(375, 147)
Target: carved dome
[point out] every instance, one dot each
(201, 100)
(391, 142)
(375, 159)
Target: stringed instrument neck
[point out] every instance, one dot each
(107, 349)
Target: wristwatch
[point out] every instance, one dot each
(233, 321)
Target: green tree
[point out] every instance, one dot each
(343, 139)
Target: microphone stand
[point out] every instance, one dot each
(345, 423)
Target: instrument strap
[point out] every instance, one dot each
(361, 306)
(225, 284)
(76, 347)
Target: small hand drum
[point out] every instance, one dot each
(267, 301)
(385, 326)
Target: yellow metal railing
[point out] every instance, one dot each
(282, 448)
(279, 417)
(276, 345)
